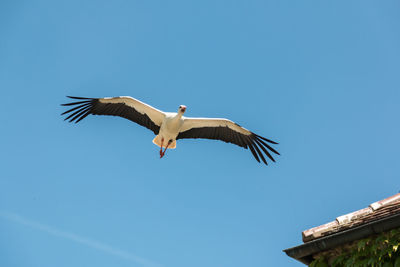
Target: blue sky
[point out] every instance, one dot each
(320, 77)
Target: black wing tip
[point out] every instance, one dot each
(80, 110)
(86, 99)
(78, 103)
(267, 146)
(260, 142)
(79, 97)
(265, 139)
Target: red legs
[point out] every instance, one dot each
(161, 152)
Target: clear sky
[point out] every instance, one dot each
(320, 77)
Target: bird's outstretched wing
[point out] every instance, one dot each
(227, 131)
(123, 106)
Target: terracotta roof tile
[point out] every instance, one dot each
(375, 211)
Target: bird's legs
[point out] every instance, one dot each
(161, 152)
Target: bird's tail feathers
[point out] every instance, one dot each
(157, 141)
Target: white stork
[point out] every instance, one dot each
(169, 127)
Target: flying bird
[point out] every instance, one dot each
(170, 126)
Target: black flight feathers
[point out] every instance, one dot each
(226, 134)
(93, 106)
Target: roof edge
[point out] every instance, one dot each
(321, 230)
(304, 252)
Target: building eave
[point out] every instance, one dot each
(304, 253)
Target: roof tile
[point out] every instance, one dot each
(384, 202)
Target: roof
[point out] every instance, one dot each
(378, 217)
(375, 211)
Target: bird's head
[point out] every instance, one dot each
(182, 109)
